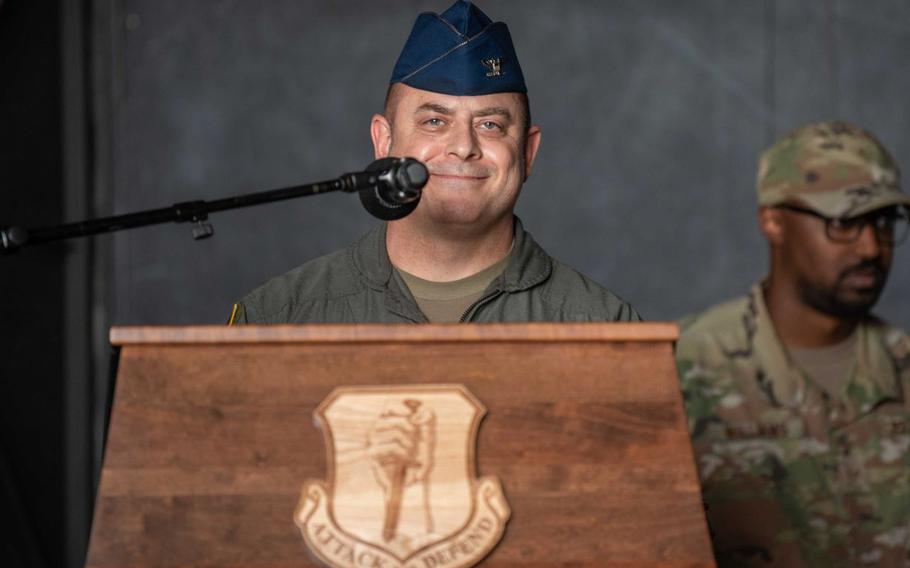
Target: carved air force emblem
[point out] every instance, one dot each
(401, 487)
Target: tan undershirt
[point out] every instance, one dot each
(828, 367)
(446, 302)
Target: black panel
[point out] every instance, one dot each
(31, 287)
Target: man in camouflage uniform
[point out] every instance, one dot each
(799, 400)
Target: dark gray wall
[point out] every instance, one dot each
(653, 113)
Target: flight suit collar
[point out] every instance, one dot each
(370, 258)
(528, 266)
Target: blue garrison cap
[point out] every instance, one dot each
(459, 52)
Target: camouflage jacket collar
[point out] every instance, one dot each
(873, 380)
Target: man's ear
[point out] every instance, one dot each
(532, 143)
(771, 224)
(381, 133)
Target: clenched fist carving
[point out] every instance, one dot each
(400, 445)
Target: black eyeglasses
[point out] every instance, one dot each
(890, 224)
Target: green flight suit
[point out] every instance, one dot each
(359, 285)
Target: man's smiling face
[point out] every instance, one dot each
(478, 149)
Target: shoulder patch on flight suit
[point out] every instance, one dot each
(234, 312)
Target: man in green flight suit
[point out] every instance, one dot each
(457, 102)
(798, 399)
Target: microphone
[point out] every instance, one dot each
(395, 186)
(12, 239)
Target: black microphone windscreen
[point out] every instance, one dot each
(376, 199)
(381, 208)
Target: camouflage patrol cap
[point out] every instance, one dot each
(835, 168)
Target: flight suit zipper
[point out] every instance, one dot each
(477, 304)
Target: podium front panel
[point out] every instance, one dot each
(213, 435)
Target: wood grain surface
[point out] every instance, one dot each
(212, 436)
(367, 333)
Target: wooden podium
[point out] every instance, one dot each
(213, 435)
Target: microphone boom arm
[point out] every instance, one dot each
(197, 212)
